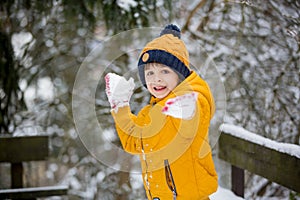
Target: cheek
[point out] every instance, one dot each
(173, 85)
(149, 88)
(173, 82)
(148, 80)
(148, 85)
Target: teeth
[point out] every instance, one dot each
(159, 88)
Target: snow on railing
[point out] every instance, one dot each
(291, 149)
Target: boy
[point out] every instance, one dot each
(171, 133)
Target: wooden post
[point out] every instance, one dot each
(237, 180)
(16, 175)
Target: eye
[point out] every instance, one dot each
(149, 73)
(165, 71)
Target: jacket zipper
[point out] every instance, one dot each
(170, 179)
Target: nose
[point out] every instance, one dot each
(157, 78)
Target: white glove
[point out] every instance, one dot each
(182, 107)
(118, 90)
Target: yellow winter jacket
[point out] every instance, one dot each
(175, 154)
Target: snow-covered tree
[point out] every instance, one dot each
(254, 44)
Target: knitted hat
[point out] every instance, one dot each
(167, 49)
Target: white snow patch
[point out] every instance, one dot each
(19, 40)
(224, 194)
(127, 4)
(44, 90)
(291, 149)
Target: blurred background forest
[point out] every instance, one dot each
(255, 46)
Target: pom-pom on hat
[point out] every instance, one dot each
(167, 49)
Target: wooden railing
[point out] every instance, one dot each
(16, 151)
(277, 162)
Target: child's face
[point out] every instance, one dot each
(160, 79)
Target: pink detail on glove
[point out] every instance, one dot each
(108, 91)
(107, 85)
(165, 109)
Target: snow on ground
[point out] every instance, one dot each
(291, 149)
(224, 194)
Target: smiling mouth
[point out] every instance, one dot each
(159, 88)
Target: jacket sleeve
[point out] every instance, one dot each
(131, 130)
